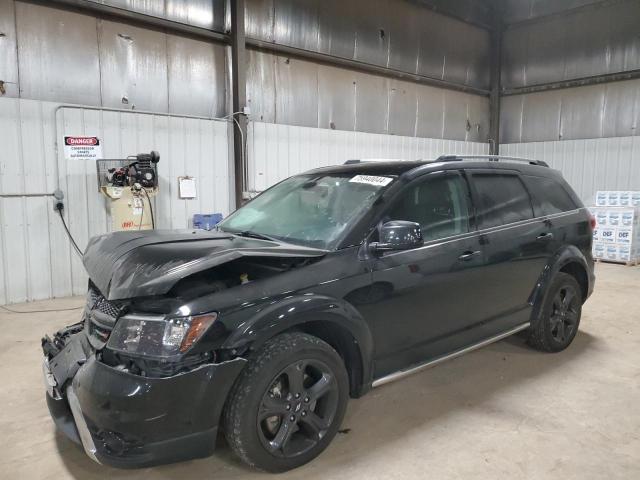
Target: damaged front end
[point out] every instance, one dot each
(143, 378)
(127, 409)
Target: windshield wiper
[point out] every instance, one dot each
(260, 236)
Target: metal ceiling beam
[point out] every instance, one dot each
(117, 13)
(578, 82)
(333, 60)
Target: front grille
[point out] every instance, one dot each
(102, 316)
(108, 308)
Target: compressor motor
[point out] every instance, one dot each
(129, 185)
(143, 171)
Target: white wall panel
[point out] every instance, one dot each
(279, 151)
(36, 260)
(588, 165)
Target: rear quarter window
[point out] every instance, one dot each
(549, 196)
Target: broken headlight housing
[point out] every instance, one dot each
(157, 336)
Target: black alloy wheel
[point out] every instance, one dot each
(559, 315)
(287, 404)
(565, 313)
(298, 408)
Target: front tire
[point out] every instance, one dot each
(287, 404)
(559, 318)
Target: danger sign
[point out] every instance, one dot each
(82, 148)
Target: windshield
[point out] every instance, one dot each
(308, 210)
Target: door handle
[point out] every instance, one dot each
(468, 255)
(545, 236)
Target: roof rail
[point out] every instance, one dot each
(363, 160)
(491, 158)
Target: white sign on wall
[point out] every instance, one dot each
(187, 187)
(82, 148)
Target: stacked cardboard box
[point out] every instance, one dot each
(616, 237)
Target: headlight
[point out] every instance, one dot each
(157, 336)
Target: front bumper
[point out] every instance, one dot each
(129, 421)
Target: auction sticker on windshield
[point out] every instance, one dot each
(372, 180)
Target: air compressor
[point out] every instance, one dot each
(129, 186)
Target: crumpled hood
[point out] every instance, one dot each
(135, 264)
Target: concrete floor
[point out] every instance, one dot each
(505, 411)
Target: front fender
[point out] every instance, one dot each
(273, 318)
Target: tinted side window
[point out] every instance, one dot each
(503, 199)
(439, 205)
(549, 196)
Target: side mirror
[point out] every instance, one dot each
(398, 235)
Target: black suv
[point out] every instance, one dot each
(326, 285)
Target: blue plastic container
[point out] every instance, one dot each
(206, 221)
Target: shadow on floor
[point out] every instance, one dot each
(387, 414)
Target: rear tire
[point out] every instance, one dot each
(559, 318)
(287, 404)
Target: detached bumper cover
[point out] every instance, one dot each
(134, 421)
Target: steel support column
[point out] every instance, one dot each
(494, 95)
(239, 90)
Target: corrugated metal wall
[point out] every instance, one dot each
(588, 165)
(200, 13)
(583, 44)
(60, 55)
(590, 133)
(70, 57)
(522, 10)
(278, 151)
(588, 42)
(606, 110)
(397, 34)
(298, 92)
(391, 33)
(35, 257)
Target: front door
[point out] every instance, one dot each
(424, 301)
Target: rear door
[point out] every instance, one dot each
(516, 244)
